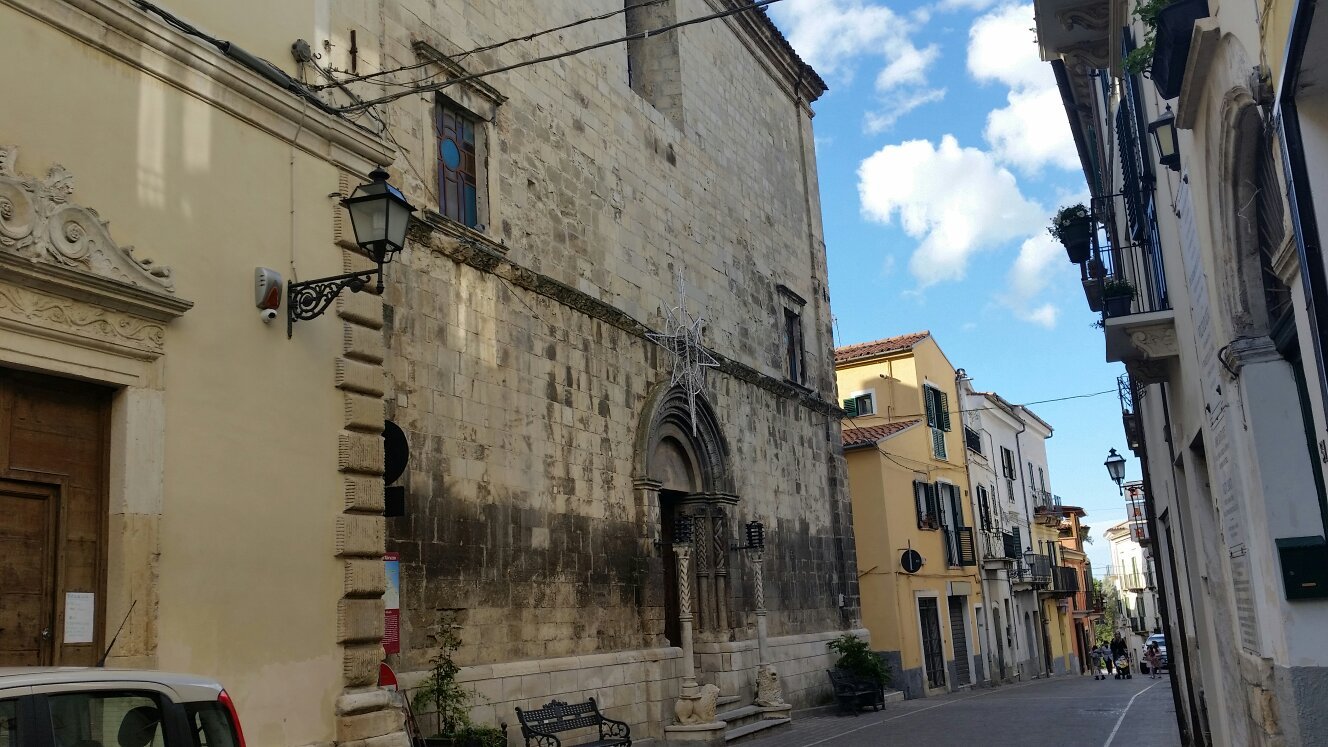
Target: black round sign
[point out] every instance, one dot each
(395, 452)
(911, 560)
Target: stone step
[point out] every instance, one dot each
(727, 700)
(739, 716)
(754, 727)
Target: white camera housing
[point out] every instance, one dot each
(267, 315)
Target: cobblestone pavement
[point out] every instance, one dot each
(1064, 711)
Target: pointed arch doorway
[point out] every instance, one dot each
(682, 468)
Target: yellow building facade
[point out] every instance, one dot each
(912, 514)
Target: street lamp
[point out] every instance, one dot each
(1163, 130)
(1116, 467)
(379, 215)
(683, 529)
(755, 535)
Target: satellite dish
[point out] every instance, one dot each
(911, 560)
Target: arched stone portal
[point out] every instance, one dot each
(682, 467)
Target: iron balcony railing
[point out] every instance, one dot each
(1065, 580)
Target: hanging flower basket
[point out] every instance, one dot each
(1093, 292)
(1073, 227)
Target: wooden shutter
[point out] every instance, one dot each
(851, 407)
(920, 501)
(930, 403)
(938, 443)
(984, 510)
(942, 409)
(964, 541)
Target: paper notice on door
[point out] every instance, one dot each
(80, 616)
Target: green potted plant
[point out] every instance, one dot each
(1117, 294)
(450, 702)
(1073, 227)
(857, 658)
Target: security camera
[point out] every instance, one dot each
(267, 315)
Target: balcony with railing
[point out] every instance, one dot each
(1033, 569)
(1064, 581)
(1046, 507)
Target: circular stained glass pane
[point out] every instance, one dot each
(451, 154)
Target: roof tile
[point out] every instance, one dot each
(860, 350)
(873, 433)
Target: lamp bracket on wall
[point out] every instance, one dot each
(309, 299)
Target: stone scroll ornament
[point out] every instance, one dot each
(682, 338)
(38, 222)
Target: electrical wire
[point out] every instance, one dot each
(979, 409)
(431, 87)
(487, 47)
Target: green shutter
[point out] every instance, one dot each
(851, 407)
(938, 443)
(920, 500)
(931, 405)
(943, 410)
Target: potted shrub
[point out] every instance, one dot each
(1117, 294)
(451, 702)
(1073, 227)
(857, 658)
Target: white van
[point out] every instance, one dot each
(81, 707)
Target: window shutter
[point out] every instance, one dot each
(920, 500)
(931, 405)
(851, 407)
(943, 409)
(938, 443)
(957, 505)
(933, 505)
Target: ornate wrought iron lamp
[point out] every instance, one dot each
(684, 528)
(379, 214)
(1116, 468)
(1163, 130)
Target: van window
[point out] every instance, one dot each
(106, 719)
(9, 723)
(210, 725)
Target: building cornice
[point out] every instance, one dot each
(142, 41)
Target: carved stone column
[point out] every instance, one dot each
(721, 544)
(705, 607)
(769, 694)
(694, 711)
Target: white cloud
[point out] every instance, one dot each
(828, 34)
(896, 107)
(1029, 277)
(956, 201)
(973, 5)
(836, 36)
(1031, 131)
(908, 68)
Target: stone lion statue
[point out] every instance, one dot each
(768, 691)
(700, 709)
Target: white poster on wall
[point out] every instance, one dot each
(80, 616)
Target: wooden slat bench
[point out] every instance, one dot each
(541, 726)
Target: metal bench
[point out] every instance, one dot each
(540, 727)
(855, 693)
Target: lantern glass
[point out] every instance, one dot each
(1115, 467)
(756, 535)
(1163, 130)
(379, 215)
(682, 530)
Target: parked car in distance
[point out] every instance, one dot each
(82, 707)
(1161, 640)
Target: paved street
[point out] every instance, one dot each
(1059, 712)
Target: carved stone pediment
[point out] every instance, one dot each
(51, 244)
(1142, 337)
(1095, 16)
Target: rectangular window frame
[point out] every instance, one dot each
(460, 193)
(853, 403)
(926, 504)
(795, 349)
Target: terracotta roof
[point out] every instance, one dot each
(879, 347)
(854, 437)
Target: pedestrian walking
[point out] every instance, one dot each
(1154, 658)
(1121, 655)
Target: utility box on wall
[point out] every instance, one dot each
(1304, 566)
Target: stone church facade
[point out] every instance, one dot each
(550, 448)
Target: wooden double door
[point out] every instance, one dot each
(53, 519)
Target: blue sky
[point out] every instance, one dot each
(943, 150)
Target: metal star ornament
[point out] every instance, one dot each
(682, 338)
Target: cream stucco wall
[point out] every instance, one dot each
(225, 454)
